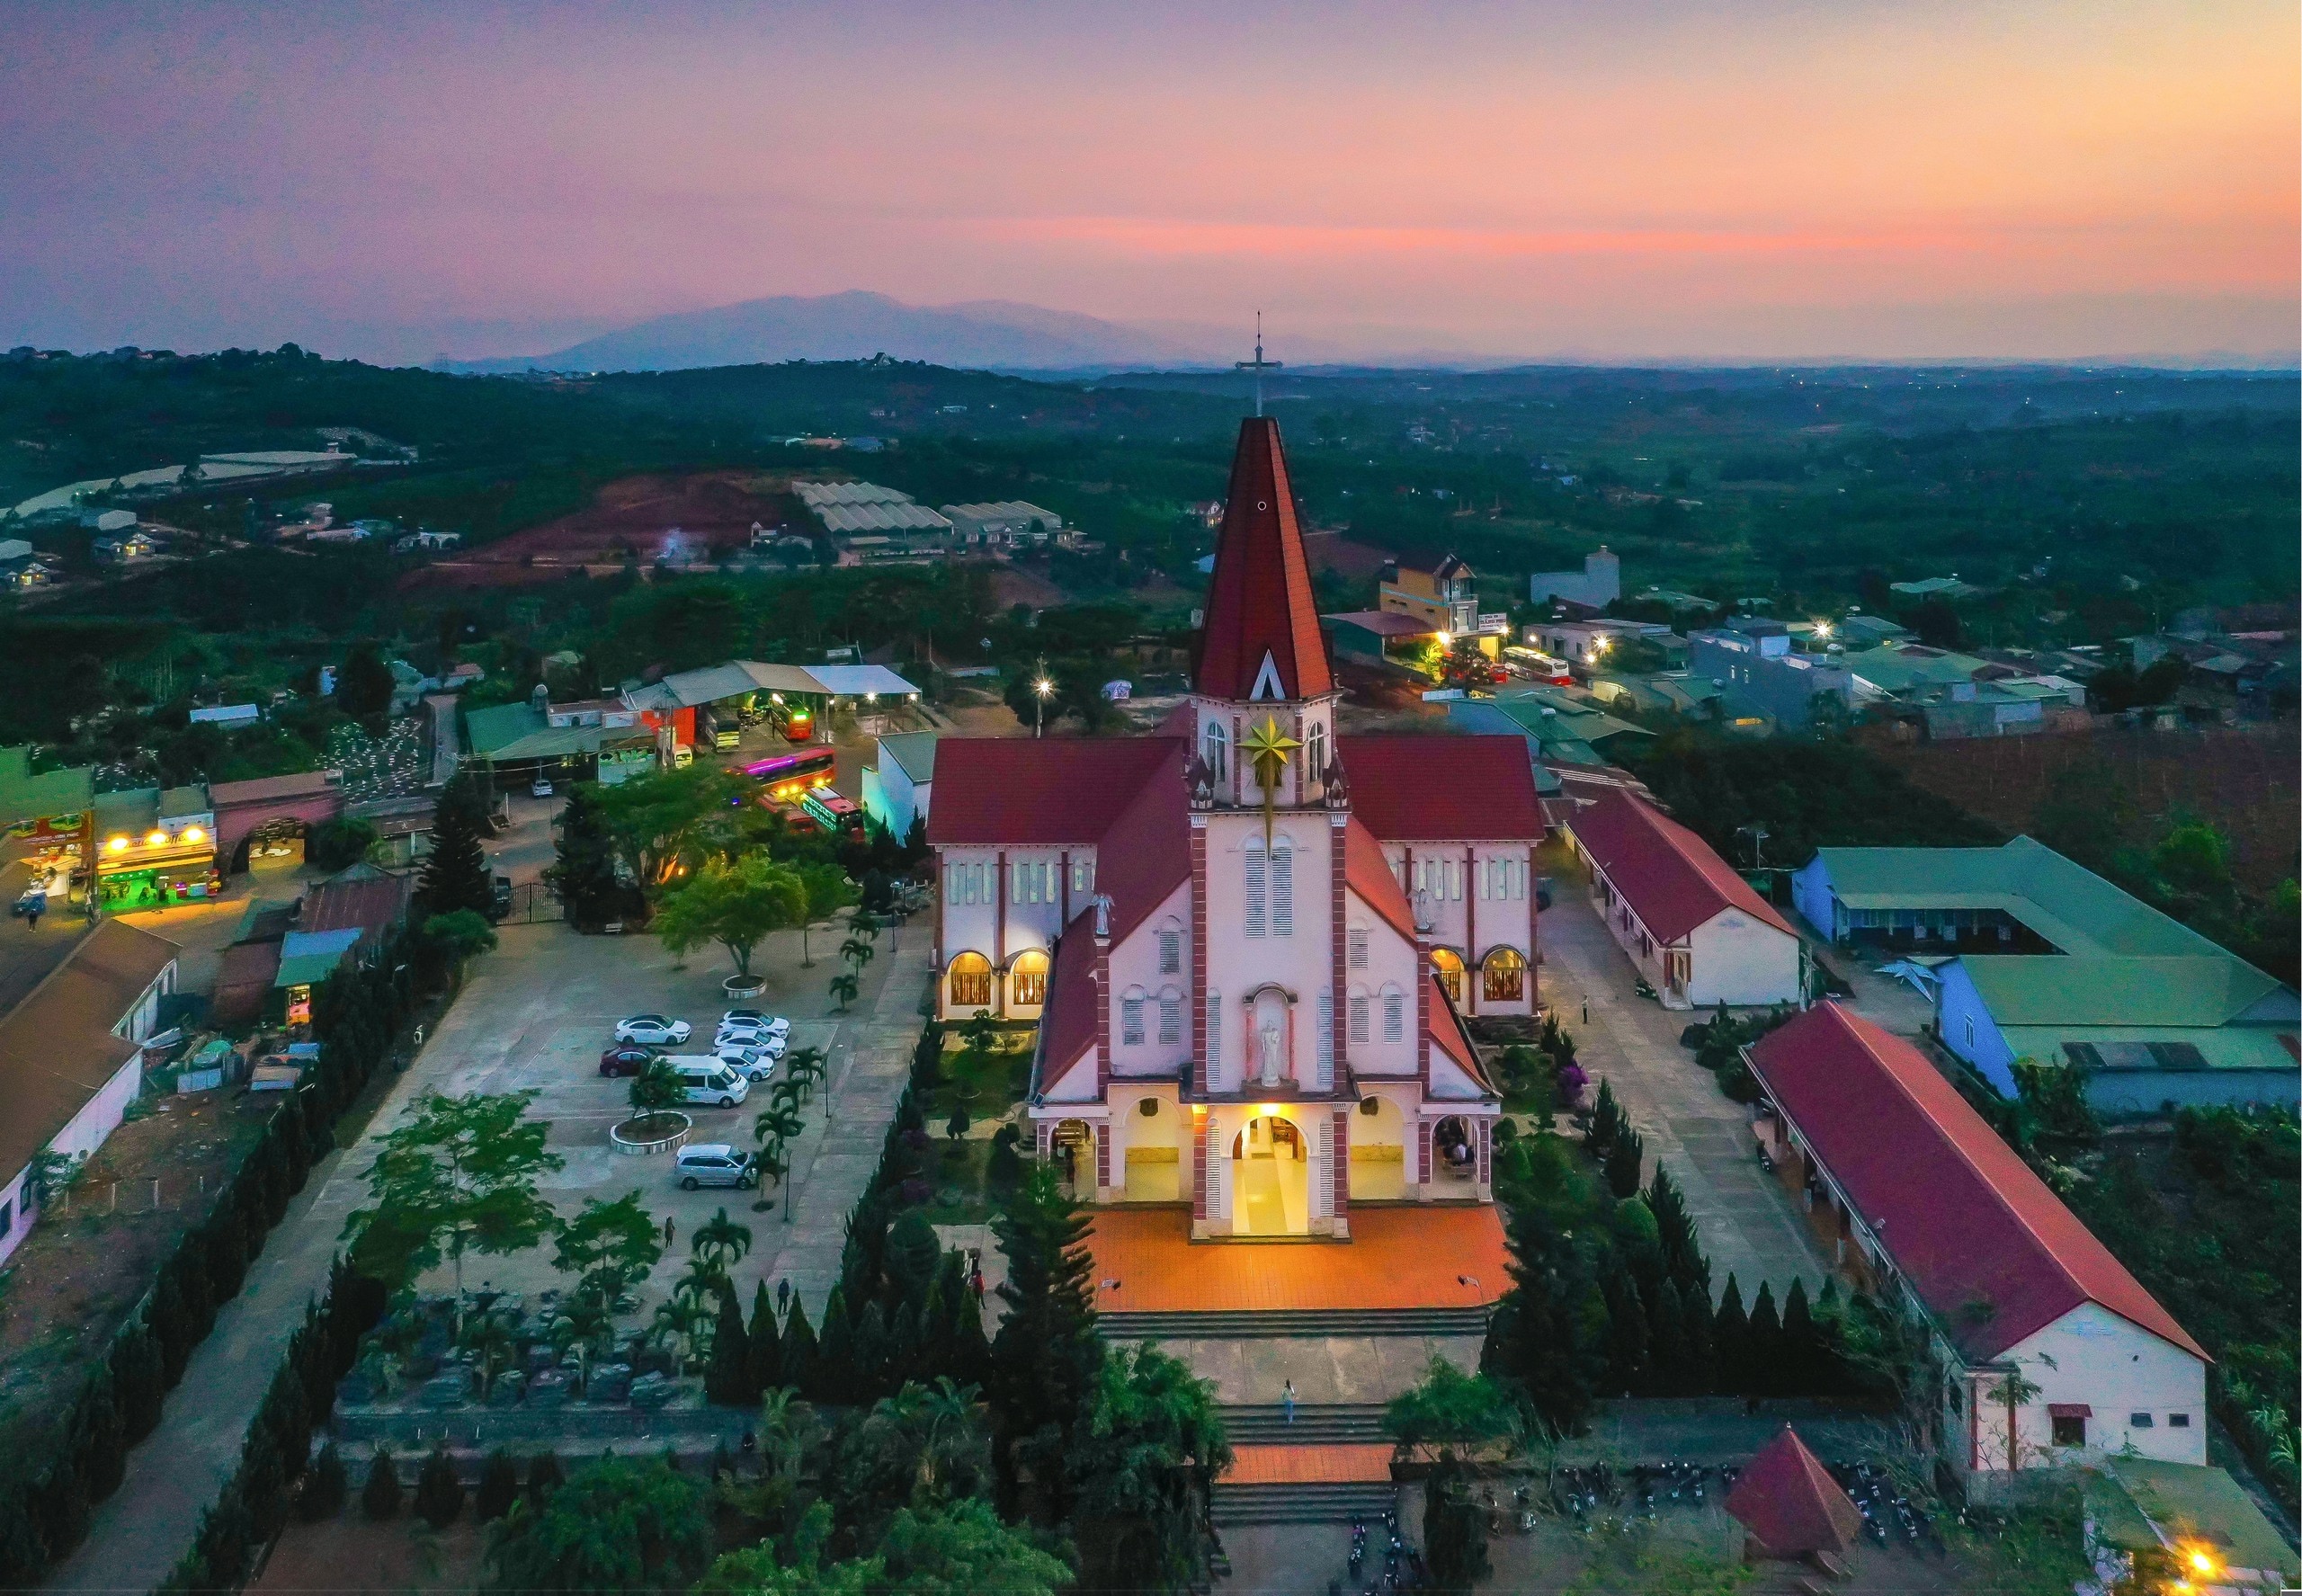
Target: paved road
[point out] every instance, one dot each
(1749, 1226)
(534, 1015)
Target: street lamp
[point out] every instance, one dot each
(1043, 688)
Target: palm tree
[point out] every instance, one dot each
(787, 1094)
(719, 1246)
(786, 1423)
(805, 1065)
(844, 988)
(858, 952)
(778, 1125)
(937, 1415)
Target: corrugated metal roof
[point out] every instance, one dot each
(57, 1049)
(850, 682)
(880, 518)
(815, 496)
(914, 752)
(2053, 990)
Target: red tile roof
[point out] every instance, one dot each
(1671, 877)
(1027, 789)
(1788, 1500)
(1148, 852)
(1260, 601)
(1069, 1029)
(1435, 789)
(1962, 1216)
(1447, 1031)
(1368, 874)
(370, 899)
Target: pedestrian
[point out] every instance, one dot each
(32, 913)
(783, 1295)
(667, 1230)
(1587, 1010)
(1287, 1400)
(975, 1281)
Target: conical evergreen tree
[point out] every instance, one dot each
(907, 1355)
(872, 1347)
(952, 1298)
(726, 1377)
(910, 1255)
(1541, 1335)
(379, 1498)
(582, 872)
(1702, 1355)
(1730, 1341)
(1624, 1158)
(1766, 1348)
(1682, 1258)
(1804, 1366)
(971, 1355)
(455, 872)
(1606, 1119)
(438, 1493)
(833, 1368)
(1668, 1340)
(499, 1486)
(799, 1350)
(764, 1342)
(862, 1257)
(1047, 1354)
(1628, 1354)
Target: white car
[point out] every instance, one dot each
(754, 1020)
(653, 1029)
(781, 1030)
(770, 1046)
(540, 788)
(752, 1064)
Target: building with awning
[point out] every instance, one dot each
(155, 846)
(307, 958)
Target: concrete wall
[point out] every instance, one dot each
(1742, 961)
(2090, 1357)
(1810, 895)
(1968, 1029)
(86, 1131)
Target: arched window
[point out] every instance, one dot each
(1170, 948)
(1214, 748)
(1315, 753)
(1448, 966)
(1171, 1016)
(1358, 1008)
(1503, 976)
(1130, 1017)
(1028, 979)
(970, 981)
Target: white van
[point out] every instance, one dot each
(710, 1080)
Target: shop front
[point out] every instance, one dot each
(155, 848)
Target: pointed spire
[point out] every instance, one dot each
(1261, 638)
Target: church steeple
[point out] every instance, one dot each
(1261, 640)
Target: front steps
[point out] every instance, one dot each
(1315, 1424)
(1254, 1324)
(1305, 1501)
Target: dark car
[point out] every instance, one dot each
(625, 1058)
(499, 898)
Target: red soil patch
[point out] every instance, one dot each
(704, 516)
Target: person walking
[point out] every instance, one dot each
(667, 1230)
(1287, 1400)
(783, 1295)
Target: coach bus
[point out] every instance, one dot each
(790, 777)
(834, 813)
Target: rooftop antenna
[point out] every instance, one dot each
(1258, 365)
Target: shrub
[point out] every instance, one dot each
(499, 1486)
(325, 1487)
(438, 1493)
(379, 1498)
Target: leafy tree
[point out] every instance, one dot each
(455, 874)
(617, 1524)
(1143, 1460)
(438, 1493)
(829, 890)
(1454, 1422)
(363, 687)
(379, 1498)
(605, 1247)
(459, 935)
(459, 1177)
(544, 1476)
(735, 906)
(928, 1550)
(670, 820)
(339, 843)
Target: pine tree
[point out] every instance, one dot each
(1667, 1336)
(325, 1486)
(1682, 1258)
(1539, 1336)
(99, 1448)
(1047, 1352)
(1766, 1349)
(455, 872)
(910, 1257)
(1625, 1156)
(1606, 1119)
(1702, 1355)
(582, 872)
(63, 1509)
(726, 1379)
(798, 1349)
(862, 1255)
(907, 1353)
(872, 1345)
(438, 1493)
(1730, 1340)
(832, 1370)
(763, 1346)
(499, 1486)
(1803, 1363)
(379, 1498)
(1628, 1353)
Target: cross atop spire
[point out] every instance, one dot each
(1258, 365)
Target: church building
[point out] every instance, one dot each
(1250, 942)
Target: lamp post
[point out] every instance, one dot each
(1043, 690)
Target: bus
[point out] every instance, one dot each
(789, 777)
(833, 812)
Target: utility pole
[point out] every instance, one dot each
(1042, 689)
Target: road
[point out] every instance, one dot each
(533, 1014)
(1750, 1227)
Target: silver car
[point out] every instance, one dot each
(715, 1163)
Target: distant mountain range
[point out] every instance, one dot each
(993, 333)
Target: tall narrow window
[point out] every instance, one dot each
(1282, 890)
(1016, 876)
(1393, 1015)
(1083, 876)
(1258, 919)
(1170, 952)
(1486, 880)
(1359, 1006)
(1315, 753)
(1213, 1046)
(1131, 1021)
(1214, 748)
(1327, 1039)
(1171, 1016)
(1358, 947)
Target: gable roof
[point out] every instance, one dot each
(1673, 880)
(57, 1047)
(1440, 788)
(1993, 1254)
(1259, 603)
(914, 752)
(1789, 1500)
(1368, 874)
(2050, 989)
(1067, 1027)
(1029, 789)
(26, 797)
(363, 899)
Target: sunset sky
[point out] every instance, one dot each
(1762, 181)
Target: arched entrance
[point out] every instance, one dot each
(1156, 1132)
(1448, 966)
(1270, 1178)
(969, 984)
(1027, 985)
(1072, 1148)
(1378, 1151)
(274, 845)
(1503, 976)
(1454, 1153)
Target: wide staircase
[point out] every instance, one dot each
(1250, 1323)
(1331, 1465)
(1303, 1502)
(1319, 1423)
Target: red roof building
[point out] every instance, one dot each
(1698, 930)
(1923, 1198)
(1248, 941)
(1790, 1503)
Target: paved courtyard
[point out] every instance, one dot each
(1751, 1227)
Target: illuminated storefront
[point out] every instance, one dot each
(154, 847)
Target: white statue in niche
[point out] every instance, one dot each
(1271, 1032)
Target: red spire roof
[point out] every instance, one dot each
(1788, 1500)
(1260, 606)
